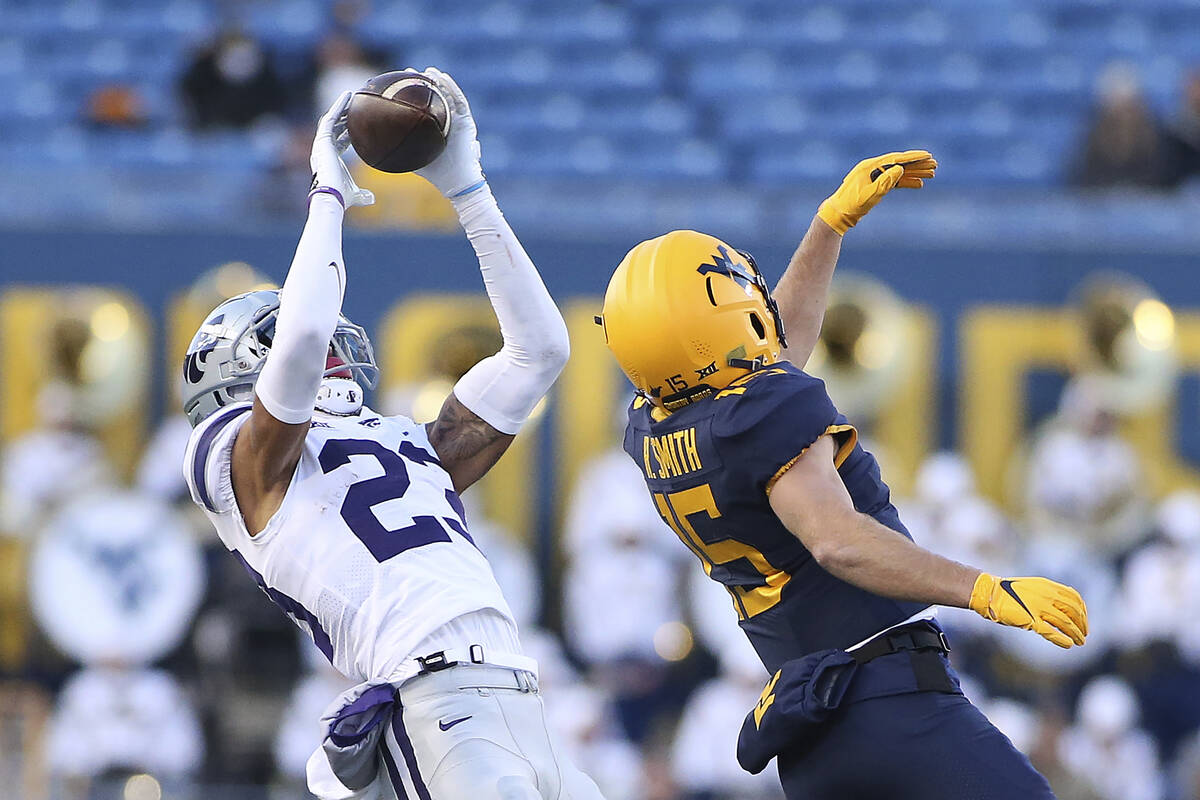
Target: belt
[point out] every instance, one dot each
(917, 636)
(465, 677)
(926, 669)
(473, 654)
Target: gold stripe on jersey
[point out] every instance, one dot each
(843, 452)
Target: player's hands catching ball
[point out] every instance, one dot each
(870, 180)
(1054, 610)
(457, 171)
(329, 170)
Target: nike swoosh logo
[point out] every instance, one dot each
(338, 271)
(1007, 586)
(448, 725)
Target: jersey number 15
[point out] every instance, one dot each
(677, 509)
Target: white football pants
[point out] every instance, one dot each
(477, 733)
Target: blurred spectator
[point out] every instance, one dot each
(611, 507)
(1106, 749)
(1034, 734)
(232, 83)
(44, 467)
(622, 607)
(703, 757)
(1124, 145)
(116, 106)
(61, 457)
(942, 481)
(246, 667)
(1164, 576)
(946, 515)
(1183, 132)
(580, 716)
(621, 584)
(1016, 720)
(1084, 482)
(120, 721)
(1045, 751)
(341, 65)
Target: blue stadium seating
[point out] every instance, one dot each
(760, 91)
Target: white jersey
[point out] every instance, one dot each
(369, 551)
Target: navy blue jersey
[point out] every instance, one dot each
(710, 466)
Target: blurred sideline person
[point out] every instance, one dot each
(708, 728)
(621, 587)
(1106, 749)
(351, 521)
(1084, 481)
(115, 579)
(761, 477)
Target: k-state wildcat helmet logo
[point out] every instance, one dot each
(231, 347)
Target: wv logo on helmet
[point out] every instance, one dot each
(724, 265)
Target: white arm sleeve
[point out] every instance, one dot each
(503, 389)
(309, 306)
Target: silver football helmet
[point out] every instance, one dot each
(229, 351)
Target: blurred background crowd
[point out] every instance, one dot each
(1033, 404)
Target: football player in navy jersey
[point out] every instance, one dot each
(748, 460)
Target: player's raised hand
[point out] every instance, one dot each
(870, 180)
(457, 171)
(329, 170)
(1053, 610)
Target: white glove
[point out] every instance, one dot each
(457, 171)
(329, 171)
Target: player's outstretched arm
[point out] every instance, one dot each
(804, 288)
(811, 500)
(269, 444)
(491, 402)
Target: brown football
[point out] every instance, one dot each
(398, 121)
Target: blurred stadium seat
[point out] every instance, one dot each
(705, 79)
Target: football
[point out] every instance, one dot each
(398, 121)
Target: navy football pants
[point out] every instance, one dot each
(919, 746)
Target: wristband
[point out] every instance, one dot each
(327, 190)
(473, 187)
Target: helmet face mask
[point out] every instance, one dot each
(760, 283)
(230, 349)
(686, 314)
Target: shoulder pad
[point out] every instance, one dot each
(769, 418)
(767, 393)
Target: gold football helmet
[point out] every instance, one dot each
(686, 314)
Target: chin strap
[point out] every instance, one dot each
(342, 397)
(752, 364)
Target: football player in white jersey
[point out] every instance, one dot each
(351, 521)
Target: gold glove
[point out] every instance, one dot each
(1054, 610)
(870, 180)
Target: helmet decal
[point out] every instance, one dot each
(722, 264)
(195, 359)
